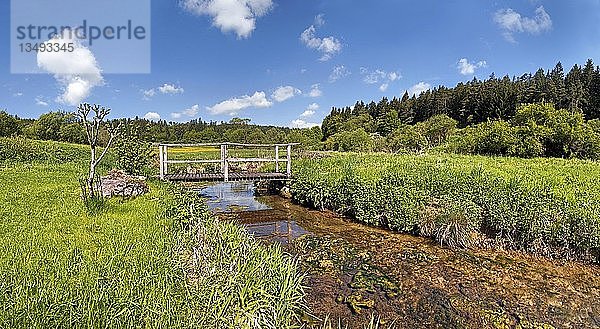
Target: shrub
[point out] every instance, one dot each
(134, 156)
(406, 139)
(493, 138)
(437, 129)
(351, 141)
(9, 125)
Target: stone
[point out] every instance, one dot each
(119, 183)
(285, 192)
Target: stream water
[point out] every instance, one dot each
(356, 272)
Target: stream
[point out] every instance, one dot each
(356, 273)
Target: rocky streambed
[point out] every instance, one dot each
(356, 273)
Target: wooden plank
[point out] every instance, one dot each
(193, 161)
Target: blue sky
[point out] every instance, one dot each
(287, 62)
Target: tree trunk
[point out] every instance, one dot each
(92, 173)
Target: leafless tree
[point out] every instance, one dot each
(92, 128)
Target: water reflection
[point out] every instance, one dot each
(232, 197)
(237, 200)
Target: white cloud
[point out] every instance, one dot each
(19, 94)
(299, 123)
(152, 116)
(419, 88)
(315, 91)
(189, 112)
(512, 22)
(284, 93)
(40, 101)
(238, 16)
(393, 76)
(310, 110)
(170, 89)
(77, 71)
(372, 77)
(339, 72)
(467, 68)
(148, 94)
(379, 76)
(328, 46)
(167, 89)
(233, 105)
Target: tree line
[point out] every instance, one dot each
(66, 127)
(476, 101)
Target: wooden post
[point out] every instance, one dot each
(223, 159)
(166, 158)
(289, 161)
(162, 164)
(276, 158)
(226, 162)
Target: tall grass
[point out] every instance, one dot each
(160, 260)
(545, 206)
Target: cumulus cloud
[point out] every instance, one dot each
(189, 112)
(284, 93)
(419, 88)
(238, 16)
(310, 110)
(152, 116)
(467, 68)
(315, 91)
(170, 89)
(339, 72)
(327, 46)
(299, 123)
(383, 87)
(167, 89)
(512, 22)
(78, 72)
(233, 105)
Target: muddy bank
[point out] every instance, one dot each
(355, 272)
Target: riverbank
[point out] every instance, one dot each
(547, 207)
(356, 273)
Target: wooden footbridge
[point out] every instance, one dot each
(247, 162)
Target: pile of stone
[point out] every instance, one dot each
(119, 183)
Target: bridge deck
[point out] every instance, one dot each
(215, 177)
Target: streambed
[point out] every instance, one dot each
(356, 272)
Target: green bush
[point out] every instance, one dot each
(406, 138)
(437, 129)
(350, 141)
(134, 156)
(9, 125)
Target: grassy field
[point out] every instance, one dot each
(545, 206)
(160, 260)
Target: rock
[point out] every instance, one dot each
(285, 192)
(118, 183)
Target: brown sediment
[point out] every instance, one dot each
(355, 271)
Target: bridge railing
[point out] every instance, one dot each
(225, 159)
